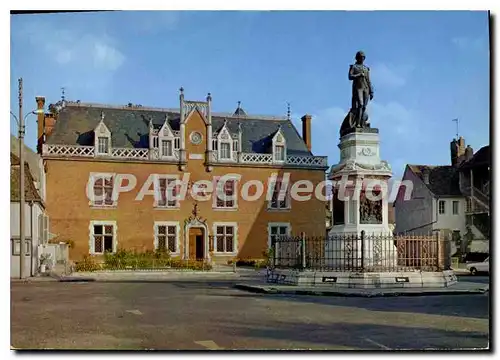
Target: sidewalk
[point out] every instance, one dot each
(460, 288)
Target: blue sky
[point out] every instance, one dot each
(427, 68)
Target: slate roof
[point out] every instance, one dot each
(481, 158)
(130, 127)
(443, 180)
(31, 193)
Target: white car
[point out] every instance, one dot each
(479, 267)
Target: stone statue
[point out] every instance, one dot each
(362, 90)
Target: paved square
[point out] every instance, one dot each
(211, 315)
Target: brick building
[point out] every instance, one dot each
(90, 146)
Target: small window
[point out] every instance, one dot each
(226, 199)
(166, 237)
(469, 204)
(225, 150)
(177, 143)
(280, 200)
(235, 145)
(102, 145)
(442, 208)
(279, 153)
(214, 144)
(455, 207)
(155, 142)
(103, 238)
(277, 231)
(166, 147)
(224, 239)
(103, 191)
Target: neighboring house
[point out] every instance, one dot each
(81, 141)
(36, 220)
(438, 201)
(391, 216)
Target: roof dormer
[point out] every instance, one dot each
(102, 138)
(225, 143)
(279, 146)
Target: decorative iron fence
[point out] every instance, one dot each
(361, 253)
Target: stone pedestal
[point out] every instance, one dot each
(355, 210)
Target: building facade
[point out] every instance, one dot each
(36, 224)
(111, 172)
(442, 199)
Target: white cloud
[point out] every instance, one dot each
(390, 75)
(71, 47)
(469, 43)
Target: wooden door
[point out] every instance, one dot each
(193, 234)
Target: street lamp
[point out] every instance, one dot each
(20, 123)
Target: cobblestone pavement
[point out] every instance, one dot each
(211, 315)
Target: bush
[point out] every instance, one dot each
(87, 264)
(132, 260)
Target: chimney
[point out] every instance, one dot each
(461, 150)
(40, 104)
(454, 152)
(306, 130)
(469, 153)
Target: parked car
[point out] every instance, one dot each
(479, 267)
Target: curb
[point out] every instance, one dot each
(262, 290)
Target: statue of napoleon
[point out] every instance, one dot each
(362, 93)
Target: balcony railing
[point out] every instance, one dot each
(52, 150)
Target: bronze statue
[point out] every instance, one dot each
(362, 90)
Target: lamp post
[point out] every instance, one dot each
(20, 123)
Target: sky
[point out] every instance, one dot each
(427, 68)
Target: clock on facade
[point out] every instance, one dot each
(195, 137)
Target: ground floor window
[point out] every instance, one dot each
(166, 236)
(276, 230)
(102, 237)
(225, 237)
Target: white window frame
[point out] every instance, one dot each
(453, 207)
(288, 198)
(439, 207)
(177, 234)
(221, 151)
(279, 142)
(43, 229)
(276, 153)
(234, 225)
(171, 141)
(91, 235)
(277, 224)
(157, 188)
(165, 133)
(102, 131)
(224, 137)
(235, 194)
(94, 177)
(106, 139)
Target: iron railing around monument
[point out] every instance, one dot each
(360, 253)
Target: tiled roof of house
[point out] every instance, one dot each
(31, 157)
(481, 158)
(130, 127)
(31, 193)
(443, 180)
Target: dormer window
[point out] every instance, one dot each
(226, 145)
(279, 151)
(103, 145)
(102, 136)
(167, 141)
(225, 150)
(279, 146)
(166, 148)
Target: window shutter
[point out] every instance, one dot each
(41, 222)
(45, 229)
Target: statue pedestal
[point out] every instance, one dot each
(360, 171)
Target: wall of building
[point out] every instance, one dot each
(414, 215)
(70, 213)
(31, 233)
(448, 220)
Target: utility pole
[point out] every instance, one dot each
(22, 245)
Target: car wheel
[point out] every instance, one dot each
(473, 271)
